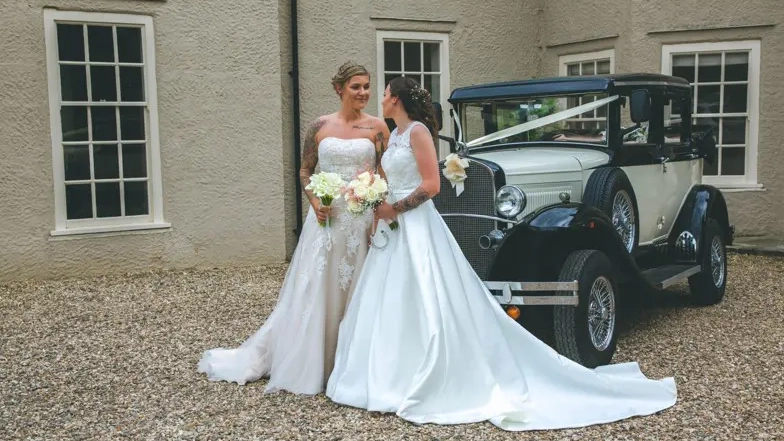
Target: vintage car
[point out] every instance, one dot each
(580, 192)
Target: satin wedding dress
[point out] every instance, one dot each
(296, 345)
(422, 337)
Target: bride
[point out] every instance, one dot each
(423, 337)
(296, 344)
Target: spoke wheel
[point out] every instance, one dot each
(707, 287)
(587, 333)
(601, 313)
(624, 220)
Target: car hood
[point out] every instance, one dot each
(544, 160)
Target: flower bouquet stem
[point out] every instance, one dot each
(325, 201)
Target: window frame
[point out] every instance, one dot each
(595, 56)
(419, 37)
(154, 219)
(565, 60)
(749, 181)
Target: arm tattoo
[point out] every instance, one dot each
(380, 148)
(309, 156)
(415, 199)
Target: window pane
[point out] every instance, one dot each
(432, 57)
(733, 131)
(603, 67)
(76, 159)
(683, 66)
(387, 79)
(736, 66)
(132, 123)
(104, 123)
(106, 162)
(131, 84)
(73, 83)
(412, 57)
(601, 112)
(392, 60)
(588, 68)
(101, 43)
(709, 69)
(573, 70)
(74, 123)
(735, 98)
(134, 161)
(708, 99)
(733, 161)
(702, 124)
(432, 84)
(78, 201)
(136, 199)
(70, 42)
(103, 83)
(129, 45)
(107, 199)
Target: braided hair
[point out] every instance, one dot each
(346, 71)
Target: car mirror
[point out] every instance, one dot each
(438, 115)
(640, 106)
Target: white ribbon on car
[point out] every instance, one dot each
(540, 122)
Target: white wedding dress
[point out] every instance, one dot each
(423, 337)
(296, 345)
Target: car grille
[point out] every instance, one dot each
(478, 197)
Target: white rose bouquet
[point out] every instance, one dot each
(327, 187)
(366, 192)
(454, 171)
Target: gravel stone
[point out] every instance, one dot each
(115, 358)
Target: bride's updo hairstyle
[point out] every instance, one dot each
(416, 102)
(345, 72)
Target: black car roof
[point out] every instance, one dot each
(563, 85)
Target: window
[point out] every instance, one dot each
(104, 123)
(591, 63)
(422, 56)
(725, 97)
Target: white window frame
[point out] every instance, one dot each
(565, 60)
(419, 37)
(155, 194)
(749, 181)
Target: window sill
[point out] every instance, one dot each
(738, 188)
(108, 231)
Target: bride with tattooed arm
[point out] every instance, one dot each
(295, 347)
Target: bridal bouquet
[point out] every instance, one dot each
(366, 192)
(327, 187)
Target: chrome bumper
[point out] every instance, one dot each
(511, 293)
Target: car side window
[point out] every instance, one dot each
(674, 130)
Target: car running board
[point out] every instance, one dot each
(668, 275)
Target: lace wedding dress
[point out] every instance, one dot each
(295, 347)
(423, 337)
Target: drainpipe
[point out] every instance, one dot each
(295, 111)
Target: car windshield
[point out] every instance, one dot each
(481, 121)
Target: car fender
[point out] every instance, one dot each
(535, 248)
(701, 203)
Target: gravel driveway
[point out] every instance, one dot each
(115, 357)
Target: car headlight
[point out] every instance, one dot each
(510, 201)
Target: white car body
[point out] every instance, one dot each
(542, 173)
